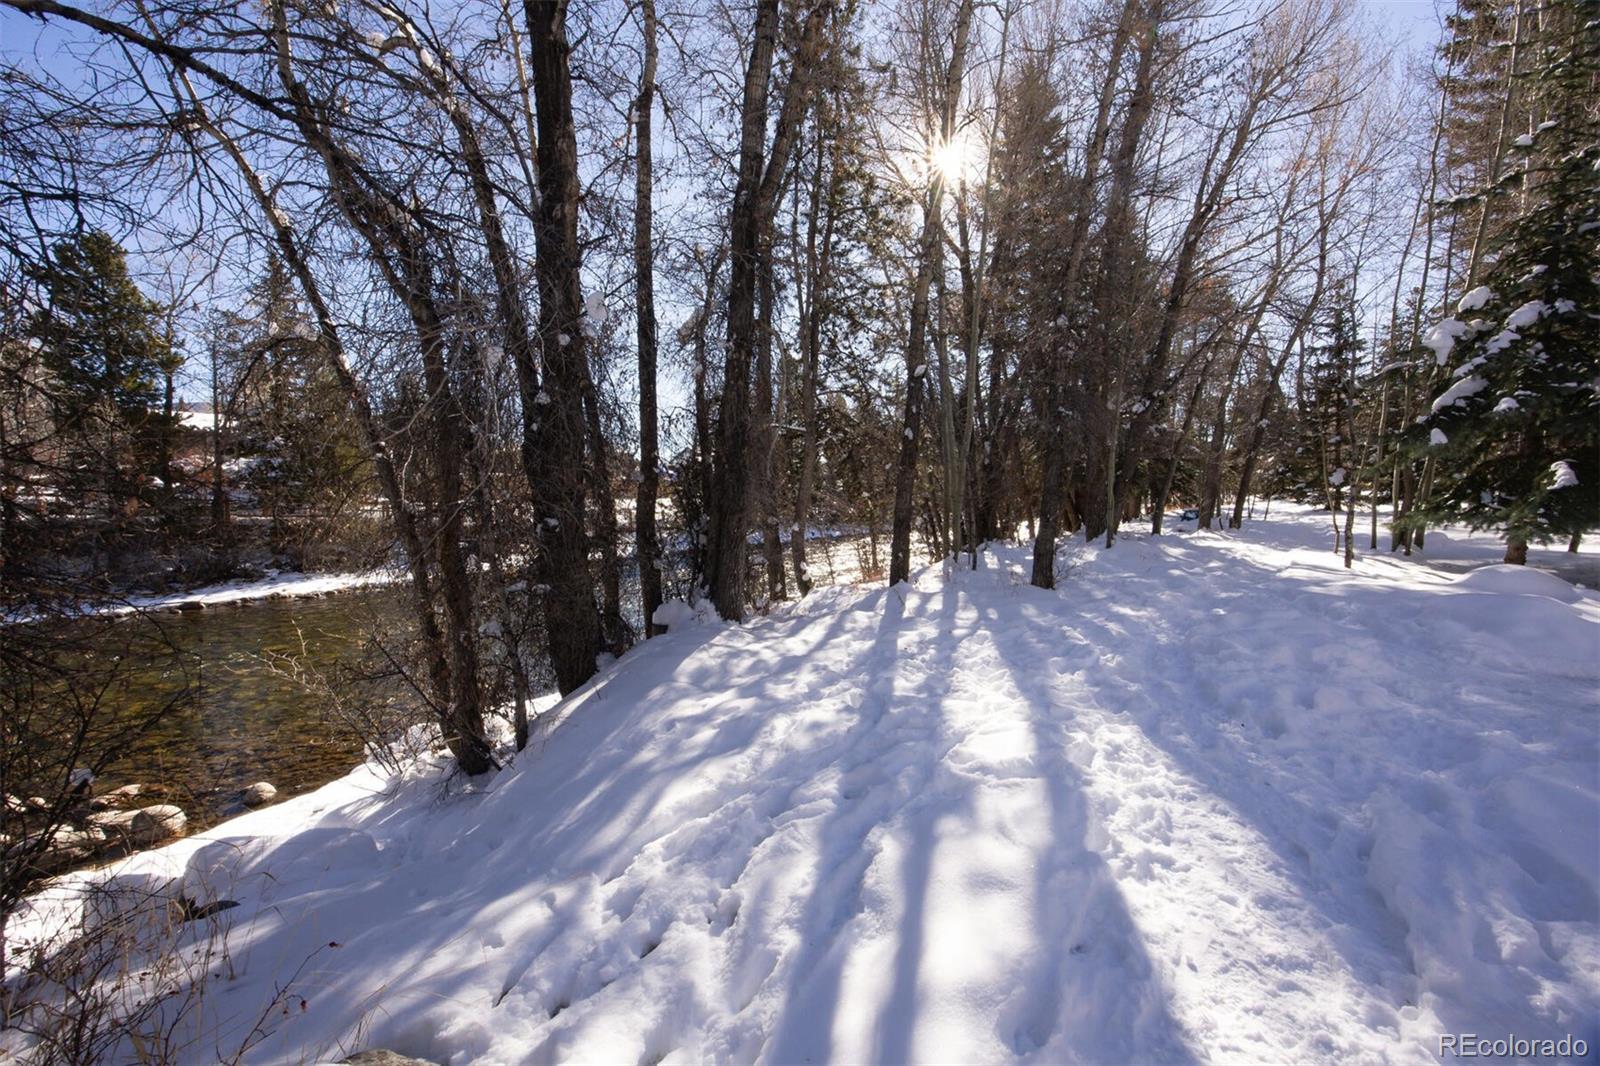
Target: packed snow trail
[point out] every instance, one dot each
(1214, 799)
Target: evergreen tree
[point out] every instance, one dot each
(1477, 53)
(1326, 461)
(1516, 430)
(106, 350)
(298, 448)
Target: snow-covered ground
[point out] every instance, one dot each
(1213, 799)
(202, 420)
(274, 585)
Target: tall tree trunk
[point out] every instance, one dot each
(220, 532)
(1211, 480)
(645, 544)
(1210, 198)
(452, 697)
(1051, 501)
(976, 308)
(569, 600)
(1503, 132)
(1377, 459)
(481, 472)
(1258, 427)
(1408, 497)
(766, 438)
(1112, 292)
(704, 443)
(1158, 507)
(403, 259)
(947, 517)
(756, 187)
(1353, 499)
(930, 246)
(449, 434)
(728, 508)
(1405, 498)
(515, 330)
(164, 447)
(473, 757)
(613, 629)
(815, 286)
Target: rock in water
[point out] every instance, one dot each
(117, 797)
(259, 794)
(151, 825)
(118, 825)
(64, 849)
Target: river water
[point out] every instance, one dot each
(247, 717)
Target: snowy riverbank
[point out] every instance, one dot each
(1214, 799)
(273, 586)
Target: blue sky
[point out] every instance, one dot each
(1415, 23)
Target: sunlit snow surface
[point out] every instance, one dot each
(1214, 799)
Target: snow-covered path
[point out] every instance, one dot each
(1214, 799)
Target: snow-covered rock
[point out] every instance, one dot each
(382, 1057)
(151, 825)
(43, 853)
(117, 797)
(258, 794)
(118, 824)
(1515, 580)
(673, 613)
(680, 613)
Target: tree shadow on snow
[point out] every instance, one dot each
(1084, 990)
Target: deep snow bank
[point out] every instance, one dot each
(1214, 799)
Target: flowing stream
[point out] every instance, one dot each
(249, 719)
